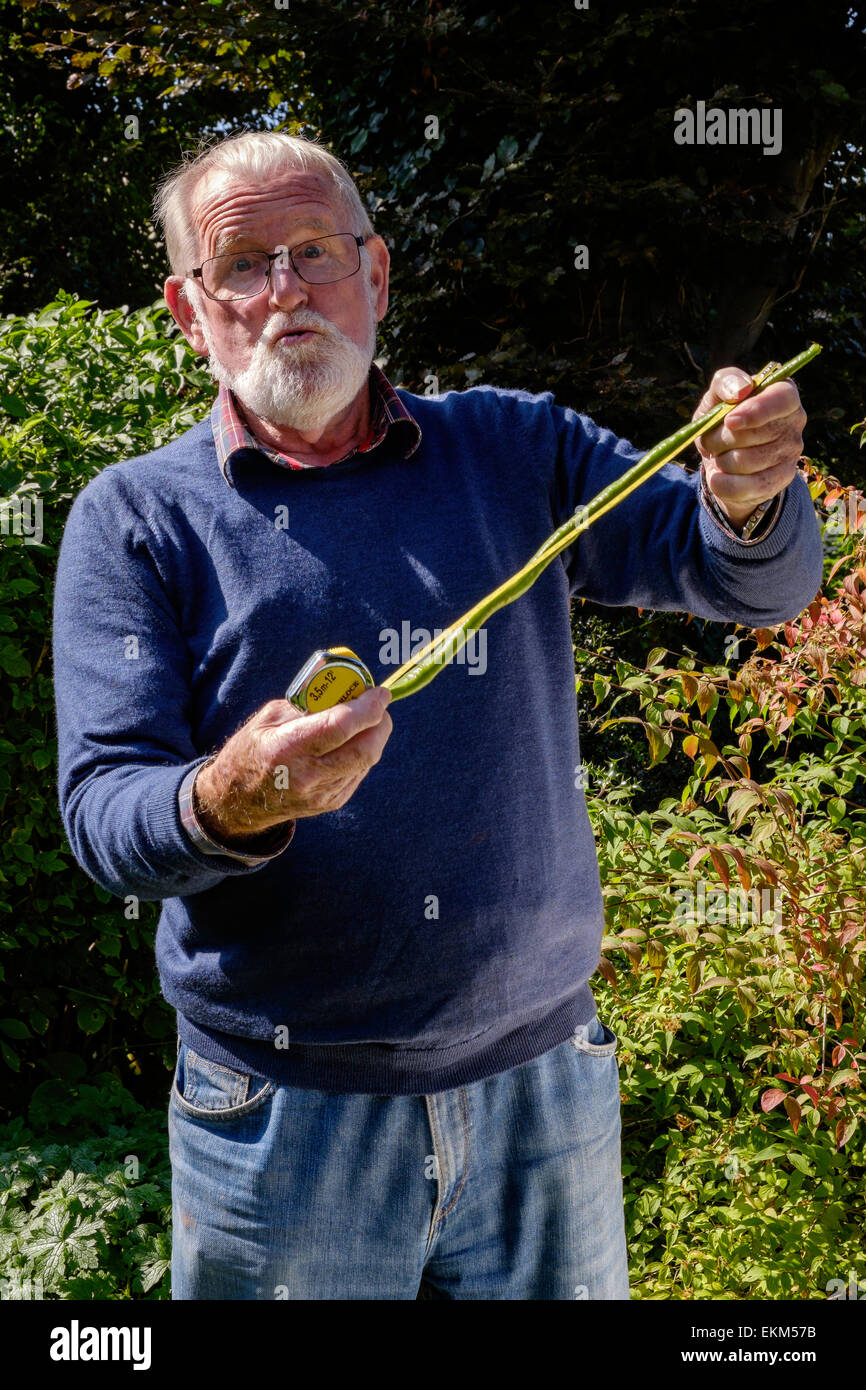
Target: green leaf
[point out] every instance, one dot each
(800, 1162)
(14, 1028)
(601, 688)
(660, 742)
(740, 802)
(845, 1074)
(747, 1000)
(694, 970)
(773, 1151)
(90, 1018)
(13, 662)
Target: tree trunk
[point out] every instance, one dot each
(744, 310)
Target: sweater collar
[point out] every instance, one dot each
(387, 411)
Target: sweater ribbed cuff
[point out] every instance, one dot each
(761, 526)
(777, 538)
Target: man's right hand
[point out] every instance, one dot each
(283, 765)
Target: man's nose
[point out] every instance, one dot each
(286, 288)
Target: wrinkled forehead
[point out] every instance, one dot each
(228, 206)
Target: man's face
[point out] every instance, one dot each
(299, 381)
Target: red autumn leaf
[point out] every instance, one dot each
(838, 565)
(849, 931)
(794, 1112)
(606, 969)
(768, 870)
(721, 866)
(742, 868)
(770, 1099)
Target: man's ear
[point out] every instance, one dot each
(381, 261)
(184, 314)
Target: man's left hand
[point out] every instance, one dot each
(753, 454)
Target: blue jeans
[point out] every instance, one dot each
(507, 1188)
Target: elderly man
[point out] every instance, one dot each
(377, 932)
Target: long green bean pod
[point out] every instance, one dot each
(424, 664)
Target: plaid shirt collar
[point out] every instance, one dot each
(231, 435)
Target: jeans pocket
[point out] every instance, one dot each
(596, 1039)
(212, 1091)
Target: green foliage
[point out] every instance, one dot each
(722, 1201)
(83, 161)
(79, 389)
(85, 1197)
(739, 911)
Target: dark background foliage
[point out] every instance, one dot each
(555, 129)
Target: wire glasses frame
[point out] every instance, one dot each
(201, 271)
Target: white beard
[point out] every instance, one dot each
(303, 385)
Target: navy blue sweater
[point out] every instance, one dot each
(444, 924)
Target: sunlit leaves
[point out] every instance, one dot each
(86, 388)
(74, 1225)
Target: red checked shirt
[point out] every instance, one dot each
(386, 409)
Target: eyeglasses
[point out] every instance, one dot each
(243, 274)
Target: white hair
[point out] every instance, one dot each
(257, 154)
